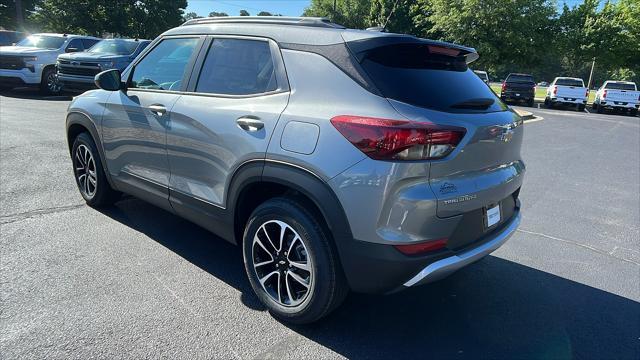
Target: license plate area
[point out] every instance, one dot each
(492, 216)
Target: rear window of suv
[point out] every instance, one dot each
(410, 73)
(519, 78)
(570, 82)
(620, 86)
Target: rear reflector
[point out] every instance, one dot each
(387, 139)
(423, 247)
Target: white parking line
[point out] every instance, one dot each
(535, 119)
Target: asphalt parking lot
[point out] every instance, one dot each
(137, 282)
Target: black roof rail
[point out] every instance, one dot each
(269, 20)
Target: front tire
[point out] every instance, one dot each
(290, 262)
(49, 84)
(89, 173)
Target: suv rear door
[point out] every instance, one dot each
(235, 97)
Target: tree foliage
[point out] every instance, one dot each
(131, 18)
(350, 13)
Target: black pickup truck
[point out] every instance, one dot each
(518, 87)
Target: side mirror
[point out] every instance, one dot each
(109, 80)
(72, 50)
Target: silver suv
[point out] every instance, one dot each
(339, 159)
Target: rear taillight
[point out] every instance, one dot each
(387, 139)
(555, 90)
(504, 86)
(586, 93)
(423, 247)
(604, 93)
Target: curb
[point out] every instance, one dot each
(525, 115)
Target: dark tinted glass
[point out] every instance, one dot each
(237, 67)
(411, 74)
(115, 47)
(76, 44)
(88, 43)
(620, 86)
(569, 82)
(164, 66)
(519, 78)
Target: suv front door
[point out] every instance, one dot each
(227, 117)
(135, 120)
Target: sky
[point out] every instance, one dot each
(284, 7)
(233, 7)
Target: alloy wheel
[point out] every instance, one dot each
(282, 263)
(86, 171)
(53, 84)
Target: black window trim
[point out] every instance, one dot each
(128, 73)
(282, 79)
(71, 40)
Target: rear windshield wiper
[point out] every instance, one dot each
(480, 104)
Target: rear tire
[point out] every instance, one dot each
(295, 272)
(599, 109)
(547, 103)
(50, 85)
(580, 108)
(531, 103)
(89, 173)
(633, 112)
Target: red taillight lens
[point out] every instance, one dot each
(504, 86)
(423, 247)
(604, 93)
(387, 139)
(586, 94)
(555, 90)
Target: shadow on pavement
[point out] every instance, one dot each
(34, 94)
(493, 309)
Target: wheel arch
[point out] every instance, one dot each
(249, 189)
(78, 123)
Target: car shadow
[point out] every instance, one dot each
(34, 94)
(492, 309)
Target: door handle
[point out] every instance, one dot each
(250, 123)
(158, 109)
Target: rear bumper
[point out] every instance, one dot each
(618, 105)
(513, 95)
(561, 100)
(445, 267)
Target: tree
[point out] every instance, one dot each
(513, 36)
(130, 18)
(264, 13)
(244, 13)
(191, 15)
(12, 11)
(217, 14)
(394, 15)
(350, 13)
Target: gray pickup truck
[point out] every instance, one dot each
(77, 70)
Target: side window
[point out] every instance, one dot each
(87, 43)
(237, 67)
(74, 45)
(163, 67)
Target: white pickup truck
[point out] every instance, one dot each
(567, 90)
(32, 61)
(617, 95)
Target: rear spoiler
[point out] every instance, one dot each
(360, 47)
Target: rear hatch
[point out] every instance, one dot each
(429, 82)
(570, 89)
(622, 93)
(519, 83)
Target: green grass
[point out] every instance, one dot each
(542, 91)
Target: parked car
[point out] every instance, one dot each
(9, 38)
(314, 148)
(77, 70)
(518, 87)
(543, 84)
(567, 91)
(482, 75)
(32, 61)
(617, 95)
